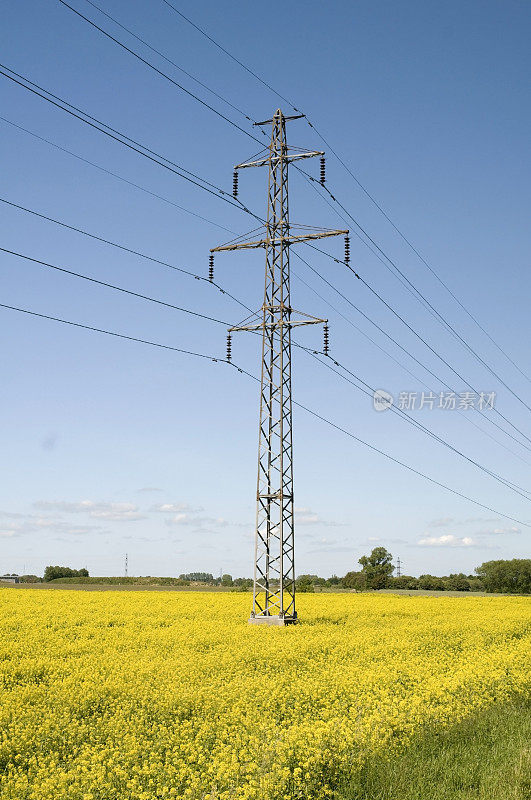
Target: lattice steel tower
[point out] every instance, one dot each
(274, 567)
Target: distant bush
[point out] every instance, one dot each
(123, 581)
(355, 580)
(30, 579)
(197, 577)
(304, 586)
(242, 584)
(431, 583)
(52, 573)
(403, 582)
(457, 583)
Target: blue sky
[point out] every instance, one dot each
(111, 447)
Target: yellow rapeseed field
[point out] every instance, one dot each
(143, 695)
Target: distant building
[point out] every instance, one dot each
(10, 578)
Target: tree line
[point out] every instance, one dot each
(502, 576)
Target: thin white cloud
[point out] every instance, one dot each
(173, 508)
(183, 518)
(441, 523)
(125, 512)
(330, 548)
(305, 516)
(308, 519)
(124, 516)
(444, 522)
(14, 515)
(448, 540)
(498, 531)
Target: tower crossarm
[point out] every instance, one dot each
(264, 162)
(273, 319)
(277, 240)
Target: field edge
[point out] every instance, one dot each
(486, 756)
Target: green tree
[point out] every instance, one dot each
(52, 573)
(245, 582)
(457, 583)
(432, 583)
(403, 582)
(305, 583)
(377, 568)
(506, 576)
(198, 577)
(355, 580)
(226, 580)
(242, 584)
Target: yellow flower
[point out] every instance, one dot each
(137, 695)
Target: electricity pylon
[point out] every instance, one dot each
(274, 563)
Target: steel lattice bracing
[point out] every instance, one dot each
(274, 569)
(274, 580)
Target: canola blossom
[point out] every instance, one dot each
(142, 695)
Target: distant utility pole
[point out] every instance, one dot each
(398, 567)
(274, 563)
(126, 564)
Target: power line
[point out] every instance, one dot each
(173, 267)
(158, 71)
(113, 286)
(241, 64)
(113, 174)
(410, 328)
(392, 339)
(120, 247)
(155, 158)
(109, 285)
(205, 188)
(53, 144)
(400, 363)
(110, 333)
(403, 464)
(162, 164)
(300, 405)
(100, 239)
(69, 105)
(169, 61)
(414, 249)
(375, 293)
(408, 418)
(398, 270)
(356, 180)
(174, 307)
(393, 311)
(418, 294)
(164, 199)
(122, 142)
